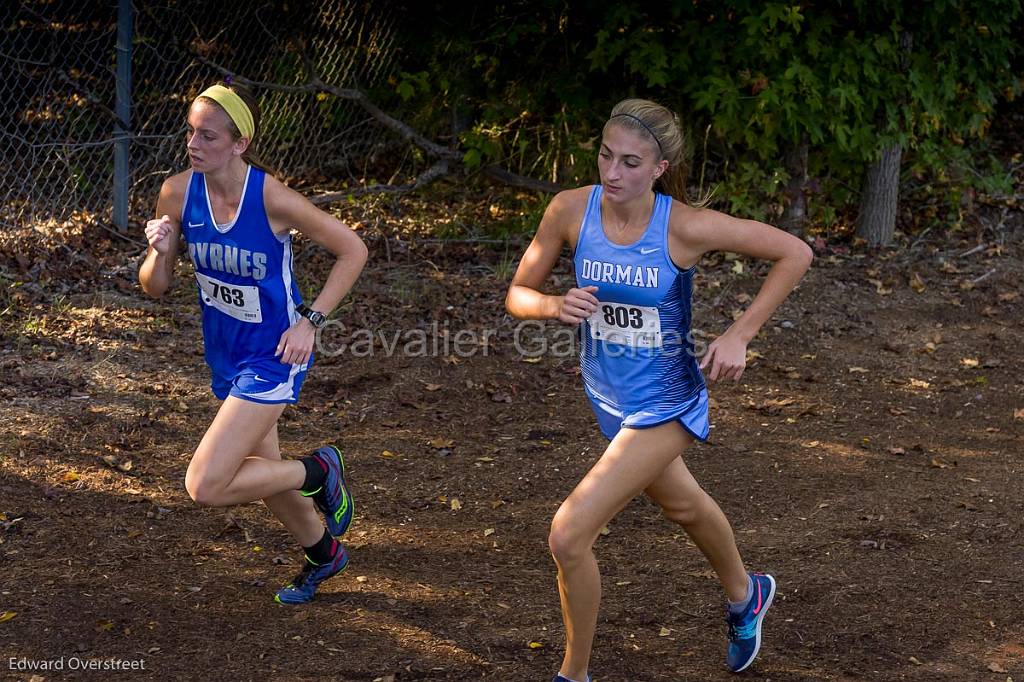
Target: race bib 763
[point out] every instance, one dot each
(237, 300)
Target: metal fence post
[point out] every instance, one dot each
(80, 142)
(123, 109)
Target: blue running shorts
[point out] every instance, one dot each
(262, 383)
(692, 415)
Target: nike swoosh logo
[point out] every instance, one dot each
(644, 252)
(757, 609)
(190, 224)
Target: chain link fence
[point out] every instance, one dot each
(58, 60)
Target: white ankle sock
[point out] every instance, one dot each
(738, 606)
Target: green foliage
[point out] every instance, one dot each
(941, 182)
(533, 81)
(751, 189)
(284, 124)
(410, 83)
(288, 67)
(850, 78)
(81, 178)
(504, 82)
(521, 217)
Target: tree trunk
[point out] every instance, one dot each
(880, 199)
(794, 215)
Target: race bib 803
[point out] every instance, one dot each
(628, 325)
(237, 300)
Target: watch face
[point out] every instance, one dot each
(317, 318)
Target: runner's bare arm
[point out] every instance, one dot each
(156, 274)
(525, 300)
(698, 231)
(286, 208)
(715, 231)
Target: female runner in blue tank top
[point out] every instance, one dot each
(235, 219)
(636, 243)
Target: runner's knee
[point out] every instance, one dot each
(567, 543)
(686, 511)
(203, 490)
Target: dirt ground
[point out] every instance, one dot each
(870, 459)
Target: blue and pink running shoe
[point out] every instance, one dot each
(745, 627)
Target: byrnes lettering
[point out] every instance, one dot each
(229, 259)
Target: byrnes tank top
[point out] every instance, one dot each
(244, 271)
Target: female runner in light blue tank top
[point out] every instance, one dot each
(258, 335)
(634, 252)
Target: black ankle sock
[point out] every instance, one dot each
(316, 474)
(323, 551)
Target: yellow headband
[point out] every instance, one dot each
(234, 106)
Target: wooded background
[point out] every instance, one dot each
(819, 116)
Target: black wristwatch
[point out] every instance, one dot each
(316, 318)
